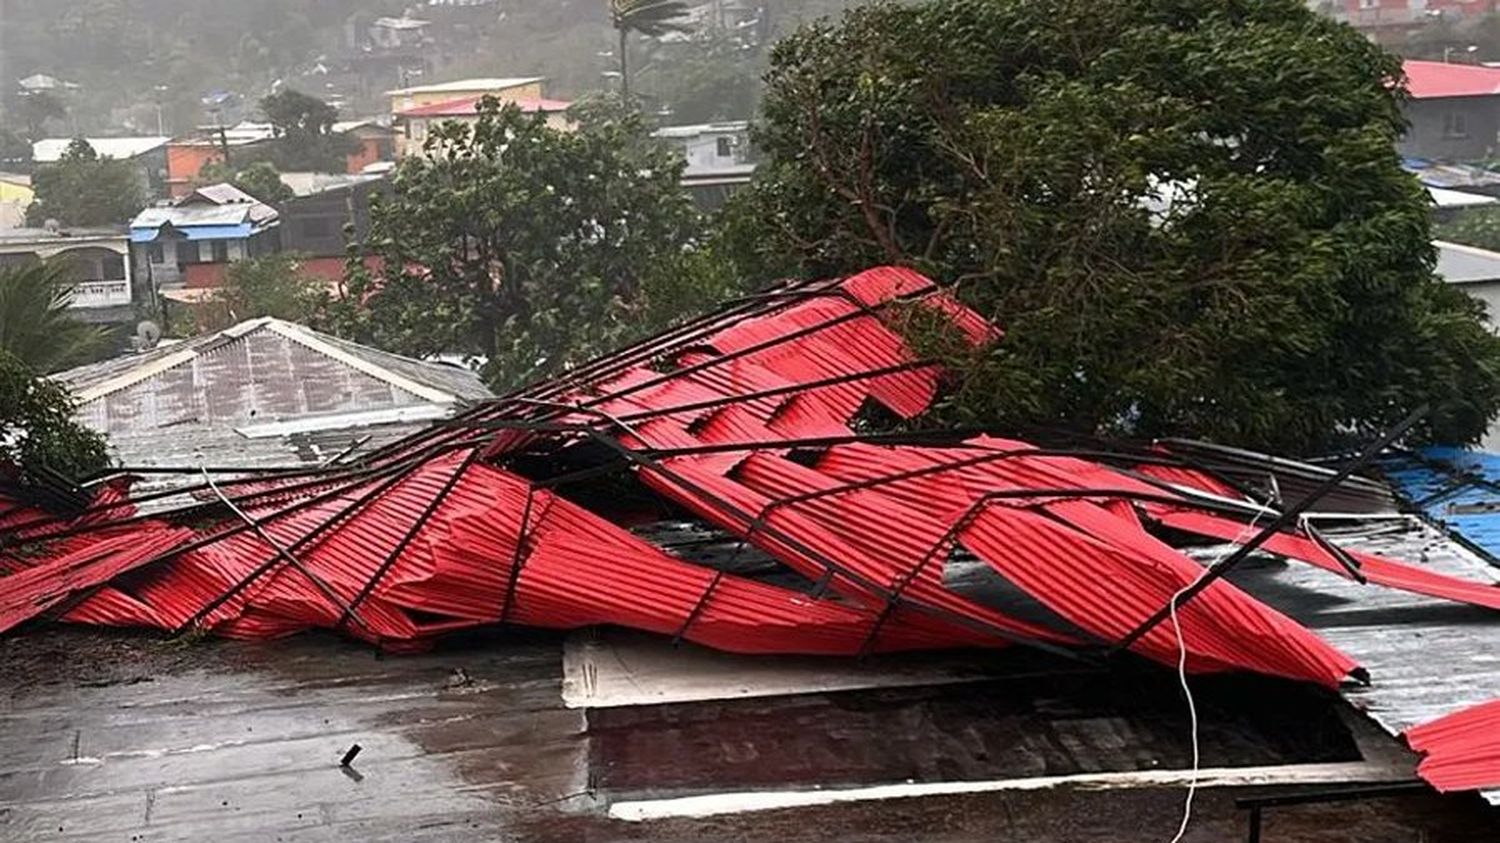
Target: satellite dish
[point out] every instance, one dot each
(147, 335)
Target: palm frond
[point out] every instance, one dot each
(35, 324)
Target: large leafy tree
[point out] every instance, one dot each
(653, 18)
(258, 178)
(83, 189)
(37, 427)
(528, 246)
(1187, 214)
(36, 326)
(304, 133)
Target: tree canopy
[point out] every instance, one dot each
(83, 189)
(258, 178)
(304, 133)
(1188, 215)
(528, 246)
(269, 285)
(36, 326)
(37, 426)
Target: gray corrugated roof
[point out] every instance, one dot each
(216, 400)
(460, 383)
(1426, 657)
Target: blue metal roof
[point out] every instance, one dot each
(1438, 479)
(197, 232)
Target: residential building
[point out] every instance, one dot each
(190, 241)
(42, 82)
(97, 263)
(186, 157)
(15, 196)
(1390, 20)
(1454, 111)
(313, 225)
(504, 88)
(374, 142)
(148, 153)
(397, 33)
(261, 393)
(1477, 272)
(415, 122)
(719, 159)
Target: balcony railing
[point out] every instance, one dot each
(100, 294)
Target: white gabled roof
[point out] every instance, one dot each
(49, 150)
(478, 83)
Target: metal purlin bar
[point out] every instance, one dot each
(606, 365)
(772, 392)
(699, 606)
(321, 476)
(1287, 516)
(801, 548)
(165, 493)
(391, 475)
(288, 556)
(518, 558)
(994, 456)
(644, 350)
(416, 527)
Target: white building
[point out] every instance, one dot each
(97, 264)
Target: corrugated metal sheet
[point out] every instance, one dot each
(745, 420)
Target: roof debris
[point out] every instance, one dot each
(717, 484)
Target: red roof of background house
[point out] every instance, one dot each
(1432, 79)
(466, 106)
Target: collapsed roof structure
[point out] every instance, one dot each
(721, 483)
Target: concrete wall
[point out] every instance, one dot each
(1452, 129)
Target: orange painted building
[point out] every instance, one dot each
(185, 160)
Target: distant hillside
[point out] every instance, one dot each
(129, 56)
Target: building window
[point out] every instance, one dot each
(113, 267)
(725, 147)
(1369, 4)
(1455, 125)
(416, 129)
(154, 253)
(221, 250)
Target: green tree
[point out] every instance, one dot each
(83, 189)
(1472, 227)
(518, 243)
(710, 76)
(258, 178)
(36, 326)
(652, 18)
(269, 285)
(1188, 215)
(37, 426)
(304, 133)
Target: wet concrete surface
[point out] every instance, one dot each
(120, 736)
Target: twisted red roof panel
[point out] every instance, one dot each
(745, 428)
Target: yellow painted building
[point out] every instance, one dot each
(414, 110)
(15, 195)
(513, 87)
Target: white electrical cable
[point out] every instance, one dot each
(1187, 805)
